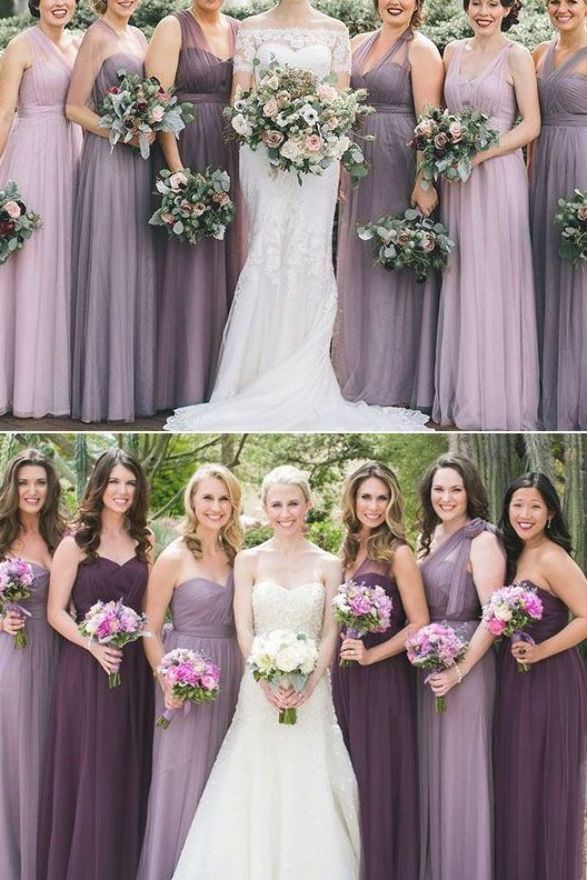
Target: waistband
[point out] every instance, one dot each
(576, 120)
(202, 98)
(221, 631)
(392, 108)
(56, 111)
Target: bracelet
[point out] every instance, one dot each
(459, 673)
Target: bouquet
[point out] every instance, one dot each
(449, 141)
(284, 659)
(361, 609)
(408, 241)
(191, 677)
(17, 223)
(572, 218)
(16, 577)
(112, 623)
(303, 123)
(194, 204)
(437, 647)
(509, 612)
(138, 106)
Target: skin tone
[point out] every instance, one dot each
(163, 57)
(569, 18)
(485, 18)
(548, 566)
(32, 495)
(290, 560)
(115, 544)
(17, 59)
(177, 564)
(371, 505)
(486, 564)
(427, 72)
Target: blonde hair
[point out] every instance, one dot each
(231, 535)
(386, 538)
(286, 475)
(99, 6)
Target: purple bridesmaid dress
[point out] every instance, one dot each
(487, 357)
(540, 741)
(376, 710)
(559, 167)
(35, 284)
(196, 282)
(27, 677)
(183, 755)
(113, 259)
(385, 334)
(96, 786)
(456, 781)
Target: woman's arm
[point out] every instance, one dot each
(162, 582)
(244, 578)
(427, 74)
(162, 61)
(16, 59)
(244, 54)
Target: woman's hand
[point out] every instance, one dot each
(270, 695)
(12, 622)
(526, 652)
(425, 200)
(443, 682)
(109, 658)
(135, 142)
(170, 701)
(355, 650)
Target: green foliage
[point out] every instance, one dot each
(5, 8)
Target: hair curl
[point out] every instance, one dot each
(512, 18)
(386, 538)
(99, 6)
(286, 475)
(88, 519)
(52, 524)
(418, 17)
(231, 535)
(477, 502)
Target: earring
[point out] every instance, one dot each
(548, 524)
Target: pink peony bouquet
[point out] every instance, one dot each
(361, 609)
(190, 677)
(437, 647)
(17, 223)
(16, 578)
(510, 611)
(113, 623)
(571, 217)
(194, 204)
(408, 241)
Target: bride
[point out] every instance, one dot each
(275, 371)
(281, 802)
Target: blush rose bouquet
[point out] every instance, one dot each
(408, 241)
(17, 222)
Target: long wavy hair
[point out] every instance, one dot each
(52, 524)
(557, 530)
(477, 502)
(231, 535)
(88, 519)
(385, 539)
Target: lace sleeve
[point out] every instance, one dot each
(341, 52)
(245, 49)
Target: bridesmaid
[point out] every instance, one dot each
(487, 358)
(113, 263)
(97, 774)
(558, 168)
(385, 340)
(541, 715)
(35, 284)
(462, 563)
(31, 527)
(375, 698)
(193, 576)
(192, 51)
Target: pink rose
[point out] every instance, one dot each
(168, 218)
(199, 208)
(270, 108)
(424, 128)
(273, 138)
(582, 213)
(177, 181)
(455, 130)
(327, 93)
(13, 210)
(441, 140)
(313, 143)
(221, 199)
(403, 236)
(208, 682)
(427, 242)
(157, 113)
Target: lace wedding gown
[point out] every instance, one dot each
(281, 802)
(275, 371)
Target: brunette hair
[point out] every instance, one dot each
(417, 17)
(386, 538)
(88, 519)
(510, 20)
(477, 502)
(52, 524)
(231, 535)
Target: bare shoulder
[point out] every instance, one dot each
(540, 51)
(485, 540)
(422, 48)
(262, 19)
(247, 560)
(327, 21)
(451, 48)
(330, 564)
(519, 57)
(69, 550)
(18, 51)
(175, 552)
(403, 555)
(168, 28)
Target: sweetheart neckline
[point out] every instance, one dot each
(288, 589)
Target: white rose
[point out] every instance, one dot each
(290, 150)
(287, 659)
(502, 612)
(241, 125)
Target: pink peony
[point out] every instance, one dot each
(157, 113)
(13, 209)
(327, 93)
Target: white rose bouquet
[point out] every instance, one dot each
(284, 659)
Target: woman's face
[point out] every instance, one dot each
(528, 513)
(120, 490)
(286, 509)
(448, 496)
(486, 16)
(56, 13)
(566, 15)
(211, 503)
(372, 502)
(208, 5)
(33, 487)
(123, 8)
(397, 13)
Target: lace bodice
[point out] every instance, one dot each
(323, 50)
(298, 608)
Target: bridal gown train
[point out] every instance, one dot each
(281, 802)
(275, 371)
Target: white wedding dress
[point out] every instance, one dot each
(275, 372)
(281, 802)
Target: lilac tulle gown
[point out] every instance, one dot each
(487, 357)
(27, 676)
(559, 168)
(35, 284)
(113, 259)
(540, 744)
(376, 710)
(456, 782)
(196, 282)
(183, 755)
(385, 334)
(94, 801)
